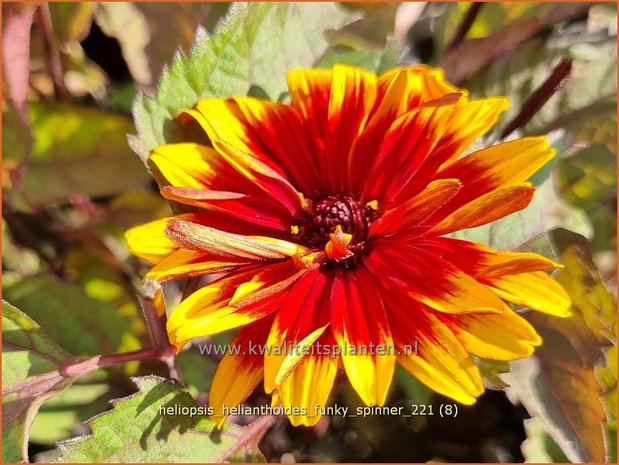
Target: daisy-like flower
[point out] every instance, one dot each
(329, 218)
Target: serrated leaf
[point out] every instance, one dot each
(30, 375)
(58, 417)
(255, 45)
(558, 384)
(139, 430)
(87, 326)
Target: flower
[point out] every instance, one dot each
(329, 218)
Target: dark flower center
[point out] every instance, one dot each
(326, 214)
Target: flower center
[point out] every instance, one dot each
(326, 214)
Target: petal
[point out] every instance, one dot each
(235, 141)
(310, 90)
(361, 329)
(468, 121)
(402, 89)
(240, 371)
(431, 353)
(148, 241)
(232, 301)
(302, 317)
(414, 211)
(407, 145)
(197, 166)
(507, 336)
(481, 261)
(352, 96)
(184, 263)
(427, 278)
(488, 169)
(487, 208)
(399, 91)
(263, 212)
(535, 290)
(308, 388)
(281, 132)
(228, 245)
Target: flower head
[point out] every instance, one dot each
(329, 218)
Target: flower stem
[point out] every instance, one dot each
(155, 317)
(540, 96)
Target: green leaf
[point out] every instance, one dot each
(58, 417)
(77, 151)
(30, 364)
(254, 46)
(588, 180)
(559, 383)
(139, 429)
(80, 324)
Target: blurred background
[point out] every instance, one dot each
(72, 186)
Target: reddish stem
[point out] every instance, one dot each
(537, 99)
(465, 26)
(52, 54)
(101, 361)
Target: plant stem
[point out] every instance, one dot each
(540, 96)
(465, 26)
(153, 307)
(52, 54)
(101, 361)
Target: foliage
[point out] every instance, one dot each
(137, 431)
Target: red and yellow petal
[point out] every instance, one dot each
(310, 91)
(428, 279)
(398, 91)
(486, 208)
(406, 146)
(506, 337)
(240, 370)
(359, 324)
(236, 142)
(235, 300)
(410, 214)
(430, 351)
(280, 130)
(352, 96)
(535, 290)
(469, 121)
(223, 244)
(488, 169)
(308, 387)
(481, 261)
(149, 242)
(301, 319)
